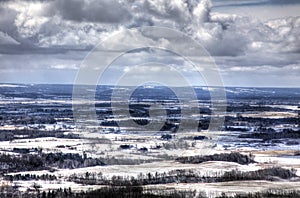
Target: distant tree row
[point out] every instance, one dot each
(181, 176)
(138, 192)
(121, 192)
(31, 162)
(286, 133)
(28, 177)
(9, 135)
(227, 157)
(270, 193)
(263, 174)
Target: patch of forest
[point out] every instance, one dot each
(45, 161)
(181, 176)
(138, 192)
(286, 133)
(9, 135)
(226, 157)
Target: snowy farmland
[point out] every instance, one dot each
(42, 148)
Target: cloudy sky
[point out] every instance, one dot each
(253, 42)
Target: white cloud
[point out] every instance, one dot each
(238, 43)
(260, 9)
(221, 34)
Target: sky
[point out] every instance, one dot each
(254, 43)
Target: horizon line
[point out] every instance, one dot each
(230, 86)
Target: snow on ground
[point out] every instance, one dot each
(206, 168)
(53, 185)
(271, 114)
(108, 145)
(278, 160)
(11, 85)
(287, 161)
(48, 144)
(290, 107)
(230, 188)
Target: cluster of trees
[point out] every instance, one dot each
(9, 135)
(178, 144)
(137, 192)
(12, 163)
(47, 161)
(91, 178)
(259, 122)
(262, 174)
(124, 161)
(12, 191)
(241, 129)
(254, 108)
(30, 162)
(105, 192)
(271, 193)
(227, 157)
(181, 176)
(265, 129)
(267, 122)
(69, 160)
(286, 133)
(21, 119)
(28, 177)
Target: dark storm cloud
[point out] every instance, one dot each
(104, 11)
(31, 49)
(7, 18)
